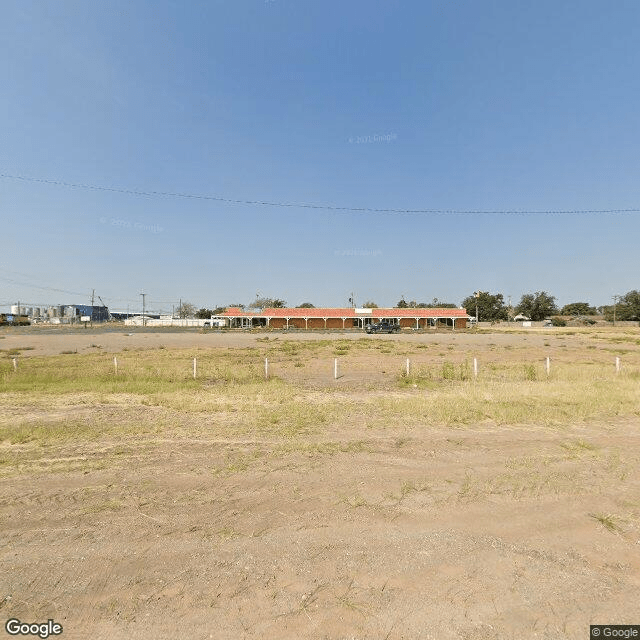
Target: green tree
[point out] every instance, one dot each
(369, 305)
(626, 308)
(632, 301)
(306, 305)
(538, 305)
(412, 304)
(491, 307)
(204, 314)
(578, 309)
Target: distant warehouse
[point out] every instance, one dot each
(97, 314)
(345, 318)
(64, 313)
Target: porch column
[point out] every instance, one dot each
(325, 322)
(343, 319)
(268, 321)
(287, 323)
(417, 323)
(306, 324)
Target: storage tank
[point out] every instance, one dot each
(15, 310)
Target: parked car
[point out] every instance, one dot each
(383, 327)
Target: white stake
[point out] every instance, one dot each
(335, 369)
(15, 364)
(548, 365)
(194, 368)
(266, 368)
(617, 364)
(408, 367)
(115, 364)
(475, 367)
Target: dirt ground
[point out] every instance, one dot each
(51, 340)
(354, 532)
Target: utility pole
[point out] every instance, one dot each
(615, 304)
(144, 322)
(93, 295)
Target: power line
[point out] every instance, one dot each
(35, 286)
(323, 207)
(30, 285)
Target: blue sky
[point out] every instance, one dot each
(466, 105)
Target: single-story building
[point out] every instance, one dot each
(344, 318)
(165, 321)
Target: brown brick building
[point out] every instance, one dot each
(345, 318)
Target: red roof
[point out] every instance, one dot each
(347, 312)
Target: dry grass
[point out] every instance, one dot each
(231, 389)
(154, 395)
(608, 522)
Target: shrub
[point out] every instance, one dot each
(557, 321)
(448, 371)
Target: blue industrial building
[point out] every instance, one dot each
(97, 314)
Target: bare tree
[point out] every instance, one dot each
(268, 303)
(187, 310)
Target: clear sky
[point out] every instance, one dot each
(413, 104)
